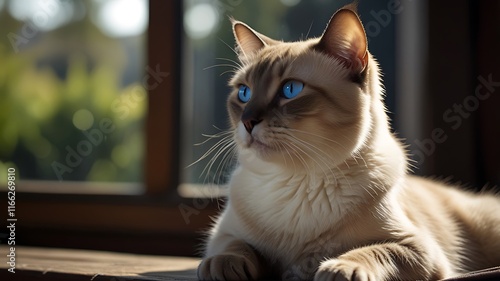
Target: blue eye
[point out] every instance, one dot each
(292, 88)
(244, 93)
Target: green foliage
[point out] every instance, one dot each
(37, 121)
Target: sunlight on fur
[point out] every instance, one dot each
(322, 189)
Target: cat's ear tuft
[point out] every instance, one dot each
(249, 41)
(345, 39)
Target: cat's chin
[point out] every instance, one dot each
(263, 150)
(260, 146)
(260, 149)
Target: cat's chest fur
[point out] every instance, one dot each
(286, 214)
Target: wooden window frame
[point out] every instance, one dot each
(159, 221)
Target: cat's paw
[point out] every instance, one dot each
(227, 267)
(343, 270)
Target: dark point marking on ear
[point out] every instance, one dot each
(345, 39)
(360, 78)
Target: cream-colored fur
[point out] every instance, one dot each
(325, 193)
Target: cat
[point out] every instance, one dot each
(322, 189)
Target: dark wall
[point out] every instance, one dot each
(464, 39)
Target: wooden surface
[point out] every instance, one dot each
(69, 264)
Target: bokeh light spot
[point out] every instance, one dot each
(200, 20)
(83, 119)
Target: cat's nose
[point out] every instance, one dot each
(250, 124)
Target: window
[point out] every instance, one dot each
(73, 99)
(117, 215)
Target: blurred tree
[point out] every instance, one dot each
(70, 107)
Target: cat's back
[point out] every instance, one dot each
(462, 221)
(456, 199)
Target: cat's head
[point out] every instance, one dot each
(304, 103)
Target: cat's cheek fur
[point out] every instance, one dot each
(242, 135)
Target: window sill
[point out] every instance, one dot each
(77, 188)
(69, 264)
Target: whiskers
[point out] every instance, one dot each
(313, 157)
(309, 155)
(224, 149)
(234, 65)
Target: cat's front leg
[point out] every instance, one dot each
(238, 261)
(390, 261)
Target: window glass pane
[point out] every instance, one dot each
(72, 105)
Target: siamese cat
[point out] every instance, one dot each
(322, 189)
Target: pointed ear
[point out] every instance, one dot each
(345, 39)
(249, 41)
